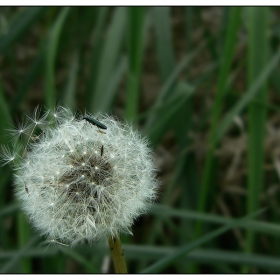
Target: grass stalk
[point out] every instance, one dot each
(257, 57)
(135, 53)
(51, 53)
(224, 71)
(23, 238)
(227, 58)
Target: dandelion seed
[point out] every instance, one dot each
(7, 155)
(36, 119)
(53, 243)
(20, 129)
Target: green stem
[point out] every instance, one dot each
(117, 254)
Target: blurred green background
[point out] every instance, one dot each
(202, 83)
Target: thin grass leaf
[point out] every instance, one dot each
(79, 258)
(5, 117)
(157, 227)
(247, 97)
(135, 53)
(207, 34)
(9, 209)
(30, 253)
(109, 58)
(274, 79)
(226, 62)
(20, 26)
(257, 57)
(5, 123)
(23, 235)
(182, 93)
(149, 253)
(27, 82)
(164, 41)
(166, 261)
(116, 79)
(205, 256)
(69, 94)
(168, 103)
(51, 53)
(13, 261)
(168, 86)
(166, 212)
(189, 16)
(96, 52)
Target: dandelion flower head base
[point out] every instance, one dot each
(83, 185)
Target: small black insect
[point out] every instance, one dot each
(94, 122)
(102, 150)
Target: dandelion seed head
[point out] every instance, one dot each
(77, 194)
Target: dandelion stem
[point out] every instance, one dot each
(117, 254)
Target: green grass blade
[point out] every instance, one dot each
(189, 18)
(20, 26)
(257, 57)
(30, 253)
(275, 80)
(165, 212)
(13, 261)
(168, 87)
(165, 261)
(135, 53)
(116, 79)
(157, 227)
(248, 96)
(149, 253)
(29, 79)
(79, 258)
(51, 53)
(109, 59)
(226, 62)
(164, 41)
(168, 102)
(70, 91)
(95, 53)
(205, 256)
(177, 102)
(5, 117)
(24, 234)
(7, 210)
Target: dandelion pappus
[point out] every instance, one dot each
(26, 189)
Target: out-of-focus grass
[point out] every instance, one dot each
(169, 259)
(51, 55)
(110, 59)
(19, 27)
(178, 73)
(226, 61)
(135, 54)
(257, 56)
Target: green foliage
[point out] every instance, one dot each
(202, 83)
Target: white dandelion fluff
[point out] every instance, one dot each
(8, 155)
(78, 183)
